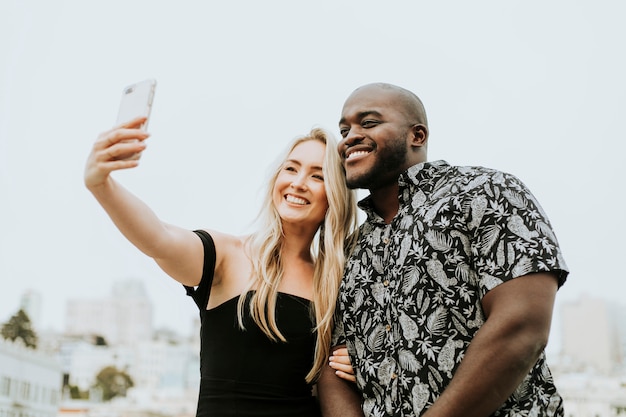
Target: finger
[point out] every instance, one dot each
(345, 376)
(121, 164)
(113, 154)
(110, 148)
(341, 352)
(124, 135)
(340, 359)
(117, 135)
(340, 355)
(341, 367)
(136, 123)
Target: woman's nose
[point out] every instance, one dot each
(299, 182)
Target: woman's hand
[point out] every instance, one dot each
(340, 362)
(118, 148)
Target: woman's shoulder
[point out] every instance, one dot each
(232, 265)
(228, 247)
(226, 241)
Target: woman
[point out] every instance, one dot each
(266, 300)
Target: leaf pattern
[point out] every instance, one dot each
(438, 240)
(436, 322)
(408, 361)
(516, 199)
(410, 304)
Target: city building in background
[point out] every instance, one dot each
(124, 317)
(116, 331)
(590, 372)
(31, 303)
(30, 381)
(593, 334)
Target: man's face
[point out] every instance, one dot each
(375, 138)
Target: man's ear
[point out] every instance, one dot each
(420, 135)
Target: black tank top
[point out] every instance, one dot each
(243, 372)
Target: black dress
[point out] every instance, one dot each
(243, 373)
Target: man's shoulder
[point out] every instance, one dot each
(475, 170)
(476, 173)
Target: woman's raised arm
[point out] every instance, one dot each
(178, 251)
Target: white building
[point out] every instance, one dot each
(31, 304)
(152, 365)
(592, 395)
(161, 364)
(589, 372)
(30, 381)
(591, 339)
(81, 361)
(124, 317)
(165, 373)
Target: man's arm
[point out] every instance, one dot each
(518, 317)
(338, 397)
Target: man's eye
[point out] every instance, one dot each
(369, 123)
(344, 131)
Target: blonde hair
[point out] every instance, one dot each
(329, 247)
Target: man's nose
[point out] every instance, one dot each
(353, 136)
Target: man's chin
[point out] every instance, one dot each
(356, 182)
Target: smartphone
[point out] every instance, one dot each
(137, 101)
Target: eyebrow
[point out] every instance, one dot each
(362, 115)
(295, 161)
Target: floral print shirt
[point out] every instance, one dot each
(410, 300)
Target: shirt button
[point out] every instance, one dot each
(386, 241)
(388, 327)
(386, 283)
(394, 375)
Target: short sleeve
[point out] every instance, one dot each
(513, 236)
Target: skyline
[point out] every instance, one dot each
(555, 345)
(533, 89)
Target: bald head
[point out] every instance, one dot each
(404, 100)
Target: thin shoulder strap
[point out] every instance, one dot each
(200, 294)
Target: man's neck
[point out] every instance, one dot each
(385, 202)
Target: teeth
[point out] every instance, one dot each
(295, 200)
(356, 153)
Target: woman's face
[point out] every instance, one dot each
(299, 193)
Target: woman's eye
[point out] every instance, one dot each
(319, 177)
(290, 168)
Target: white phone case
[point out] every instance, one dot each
(136, 101)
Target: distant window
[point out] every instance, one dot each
(25, 394)
(54, 397)
(5, 386)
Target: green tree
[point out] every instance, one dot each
(113, 382)
(77, 394)
(99, 340)
(19, 326)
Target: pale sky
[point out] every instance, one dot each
(533, 88)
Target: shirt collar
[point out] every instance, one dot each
(417, 176)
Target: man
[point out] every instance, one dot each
(447, 299)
